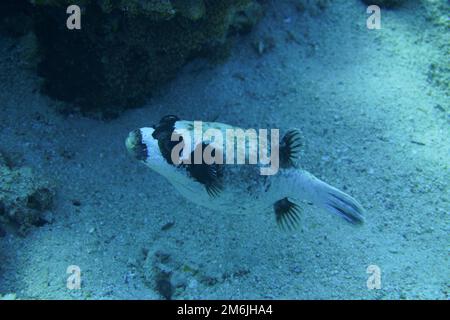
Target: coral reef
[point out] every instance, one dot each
(127, 48)
(24, 198)
(15, 17)
(170, 274)
(159, 272)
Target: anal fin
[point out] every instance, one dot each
(286, 214)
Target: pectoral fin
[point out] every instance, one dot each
(207, 174)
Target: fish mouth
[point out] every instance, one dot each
(136, 148)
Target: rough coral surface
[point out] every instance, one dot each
(24, 197)
(15, 17)
(127, 48)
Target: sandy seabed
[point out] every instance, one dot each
(373, 124)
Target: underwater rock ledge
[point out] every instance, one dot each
(127, 48)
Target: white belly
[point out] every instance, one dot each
(243, 189)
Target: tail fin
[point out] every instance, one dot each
(338, 202)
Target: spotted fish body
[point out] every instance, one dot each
(239, 187)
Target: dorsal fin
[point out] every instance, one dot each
(290, 148)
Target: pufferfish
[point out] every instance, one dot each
(237, 187)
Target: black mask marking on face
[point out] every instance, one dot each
(207, 174)
(163, 133)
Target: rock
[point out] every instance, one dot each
(25, 199)
(439, 74)
(164, 286)
(126, 49)
(157, 271)
(191, 9)
(163, 271)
